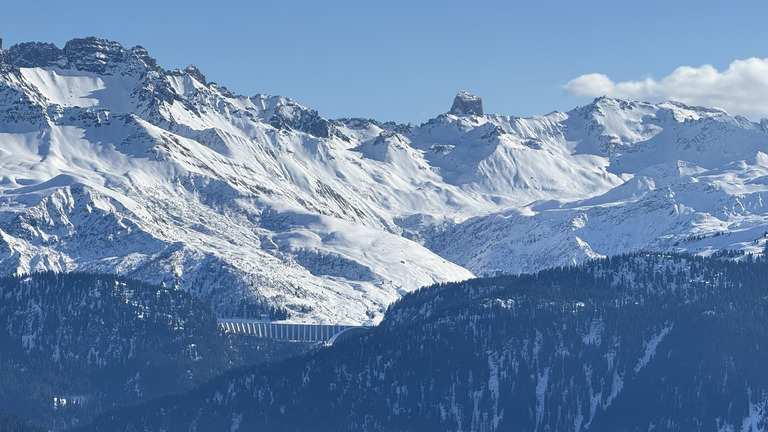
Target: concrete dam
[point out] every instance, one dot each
(291, 332)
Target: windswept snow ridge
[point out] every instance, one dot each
(110, 163)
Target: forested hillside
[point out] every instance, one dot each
(73, 345)
(634, 342)
(12, 423)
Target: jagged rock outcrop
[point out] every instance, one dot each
(465, 104)
(36, 54)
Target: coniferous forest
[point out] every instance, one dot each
(633, 342)
(72, 345)
(12, 423)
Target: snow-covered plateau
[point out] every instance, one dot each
(109, 163)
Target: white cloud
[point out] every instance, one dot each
(740, 89)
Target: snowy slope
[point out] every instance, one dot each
(695, 182)
(110, 163)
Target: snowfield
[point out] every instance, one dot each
(110, 163)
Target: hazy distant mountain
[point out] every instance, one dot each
(110, 163)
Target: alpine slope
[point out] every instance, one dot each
(111, 164)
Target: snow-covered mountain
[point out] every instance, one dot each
(110, 163)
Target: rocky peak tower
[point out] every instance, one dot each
(465, 104)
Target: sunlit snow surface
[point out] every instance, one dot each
(163, 177)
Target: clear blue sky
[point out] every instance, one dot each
(405, 60)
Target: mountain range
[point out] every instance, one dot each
(111, 164)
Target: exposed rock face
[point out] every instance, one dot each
(292, 116)
(88, 54)
(93, 55)
(196, 74)
(465, 104)
(36, 54)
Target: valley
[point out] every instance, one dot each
(178, 257)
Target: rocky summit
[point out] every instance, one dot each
(110, 163)
(467, 104)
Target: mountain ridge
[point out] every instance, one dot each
(112, 164)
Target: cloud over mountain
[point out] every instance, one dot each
(740, 89)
